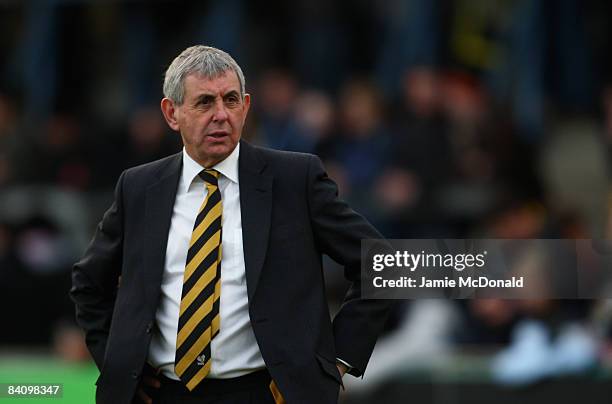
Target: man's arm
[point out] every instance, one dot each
(338, 232)
(95, 278)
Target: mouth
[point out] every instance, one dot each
(218, 134)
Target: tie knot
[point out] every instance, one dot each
(210, 176)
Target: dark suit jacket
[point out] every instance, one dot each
(291, 215)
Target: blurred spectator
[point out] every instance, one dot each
(61, 154)
(542, 337)
(412, 37)
(319, 42)
(363, 146)
(290, 119)
(575, 170)
(10, 145)
(147, 138)
(419, 157)
(277, 91)
(314, 116)
(37, 267)
(471, 185)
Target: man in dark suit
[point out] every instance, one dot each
(203, 282)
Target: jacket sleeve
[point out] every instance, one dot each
(338, 232)
(95, 278)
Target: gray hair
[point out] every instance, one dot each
(206, 61)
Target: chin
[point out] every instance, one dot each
(220, 150)
(217, 153)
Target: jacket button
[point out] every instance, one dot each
(149, 328)
(135, 375)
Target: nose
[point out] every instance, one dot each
(220, 113)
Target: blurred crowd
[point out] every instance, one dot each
(437, 118)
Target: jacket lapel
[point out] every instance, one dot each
(256, 207)
(159, 203)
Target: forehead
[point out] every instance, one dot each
(196, 84)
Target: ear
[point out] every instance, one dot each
(247, 105)
(170, 111)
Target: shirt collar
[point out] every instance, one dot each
(227, 167)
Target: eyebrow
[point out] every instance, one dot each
(210, 97)
(232, 93)
(204, 97)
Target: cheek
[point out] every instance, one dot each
(195, 129)
(237, 121)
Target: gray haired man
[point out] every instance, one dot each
(203, 282)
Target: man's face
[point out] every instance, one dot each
(211, 117)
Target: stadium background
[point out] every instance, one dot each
(437, 118)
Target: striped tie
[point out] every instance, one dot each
(199, 310)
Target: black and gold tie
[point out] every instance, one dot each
(199, 310)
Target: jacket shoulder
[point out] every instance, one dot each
(281, 157)
(153, 169)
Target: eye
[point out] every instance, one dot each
(232, 99)
(204, 102)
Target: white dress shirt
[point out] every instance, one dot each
(234, 350)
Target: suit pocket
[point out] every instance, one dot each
(329, 367)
